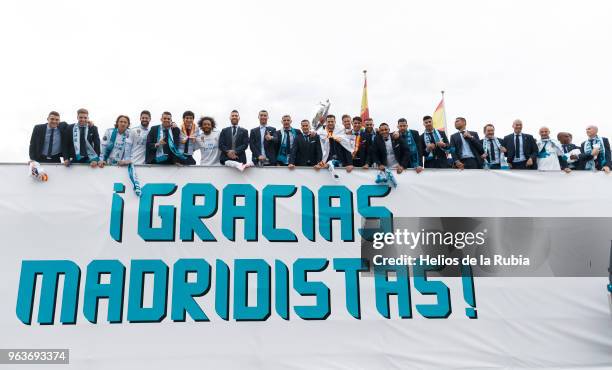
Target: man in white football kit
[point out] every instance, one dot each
(139, 138)
(208, 142)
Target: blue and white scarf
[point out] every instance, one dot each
(283, 153)
(76, 138)
(160, 156)
(601, 157)
(134, 179)
(437, 139)
(503, 163)
(114, 157)
(385, 177)
(414, 157)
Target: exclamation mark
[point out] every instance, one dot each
(467, 279)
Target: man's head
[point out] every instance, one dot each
(428, 123)
(188, 118)
(369, 125)
(166, 119)
(402, 125)
(263, 117)
(564, 137)
(234, 117)
(330, 122)
(286, 121)
(53, 118)
(591, 131)
(346, 121)
(145, 118)
(122, 123)
(544, 133)
(489, 131)
(207, 124)
(383, 130)
(356, 124)
(460, 123)
(517, 126)
(305, 126)
(82, 116)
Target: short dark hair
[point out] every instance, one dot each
(166, 113)
(122, 116)
(261, 111)
(206, 118)
(383, 124)
(345, 116)
(234, 111)
(305, 120)
(330, 116)
(146, 112)
(426, 118)
(369, 119)
(357, 118)
(402, 120)
(461, 119)
(82, 111)
(484, 129)
(188, 113)
(54, 113)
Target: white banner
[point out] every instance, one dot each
(212, 268)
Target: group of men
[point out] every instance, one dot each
(356, 143)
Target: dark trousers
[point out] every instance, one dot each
(521, 166)
(470, 163)
(495, 166)
(52, 159)
(188, 161)
(436, 163)
(166, 162)
(82, 160)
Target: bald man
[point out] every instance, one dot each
(550, 153)
(595, 151)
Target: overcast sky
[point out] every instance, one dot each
(546, 62)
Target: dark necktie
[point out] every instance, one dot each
(50, 149)
(165, 139)
(591, 141)
(565, 148)
(83, 144)
(233, 130)
(288, 141)
(491, 150)
(431, 137)
(517, 146)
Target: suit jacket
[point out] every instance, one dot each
(306, 151)
(530, 148)
(457, 144)
(92, 137)
(587, 157)
(439, 154)
(37, 141)
(400, 150)
(152, 140)
(579, 163)
(361, 156)
(225, 144)
(255, 145)
(415, 159)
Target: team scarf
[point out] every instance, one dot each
(385, 177)
(503, 163)
(114, 157)
(414, 157)
(358, 138)
(331, 167)
(437, 139)
(91, 153)
(134, 179)
(601, 157)
(338, 133)
(543, 153)
(188, 135)
(160, 156)
(283, 153)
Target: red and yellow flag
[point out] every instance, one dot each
(365, 111)
(439, 116)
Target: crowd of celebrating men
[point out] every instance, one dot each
(356, 143)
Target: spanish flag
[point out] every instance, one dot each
(439, 116)
(365, 111)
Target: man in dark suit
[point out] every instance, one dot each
(263, 148)
(233, 142)
(88, 140)
(433, 144)
(466, 148)
(389, 152)
(167, 155)
(307, 149)
(595, 151)
(522, 148)
(412, 139)
(47, 140)
(362, 144)
(571, 151)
